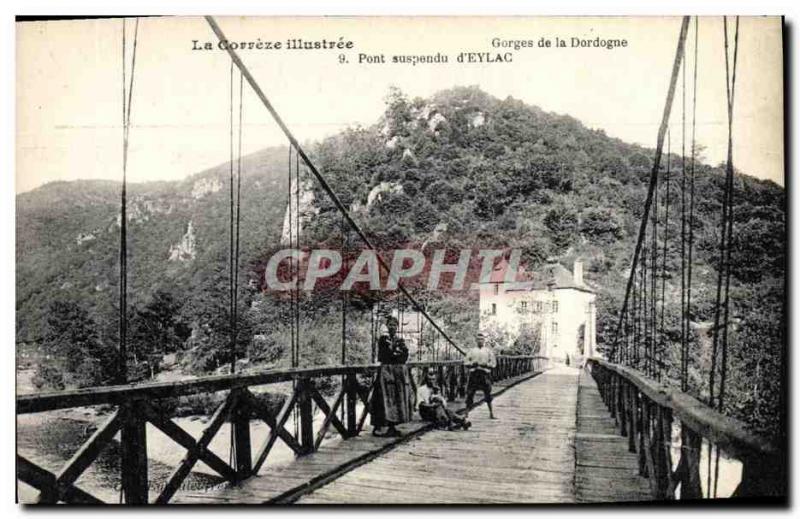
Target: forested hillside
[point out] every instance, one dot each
(458, 170)
(463, 169)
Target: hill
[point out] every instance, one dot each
(67, 235)
(461, 169)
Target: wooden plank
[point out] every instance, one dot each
(365, 401)
(133, 465)
(330, 416)
(193, 455)
(304, 401)
(605, 470)
(351, 385)
(691, 488)
(50, 490)
(276, 425)
(187, 441)
(647, 447)
(119, 394)
(89, 451)
(240, 425)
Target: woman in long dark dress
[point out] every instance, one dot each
(393, 398)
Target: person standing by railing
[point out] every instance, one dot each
(480, 361)
(393, 398)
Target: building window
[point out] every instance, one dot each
(496, 288)
(555, 307)
(555, 329)
(494, 309)
(538, 307)
(523, 306)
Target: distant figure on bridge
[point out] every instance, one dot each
(433, 406)
(480, 361)
(393, 398)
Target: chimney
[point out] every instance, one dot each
(577, 272)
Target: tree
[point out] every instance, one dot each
(155, 330)
(602, 224)
(562, 221)
(528, 341)
(209, 344)
(74, 354)
(157, 326)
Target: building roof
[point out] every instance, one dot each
(552, 275)
(498, 274)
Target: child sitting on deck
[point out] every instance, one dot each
(433, 407)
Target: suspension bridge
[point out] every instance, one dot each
(612, 429)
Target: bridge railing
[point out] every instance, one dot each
(645, 410)
(134, 406)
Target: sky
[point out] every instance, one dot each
(69, 85)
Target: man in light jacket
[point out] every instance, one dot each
(480, 361)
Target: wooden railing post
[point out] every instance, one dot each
(645, 409)
(644, 430)
(611, 394)
(621, 402)
(133, 439)
(632, 417)
(240, 423)
(665, 452)
(762, 476)
(305, 405)
(452, 383)
(690, 452)
(351, 388)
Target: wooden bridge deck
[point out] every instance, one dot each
(604, 469)
(285, 483)
(544, 448)
(553, 442)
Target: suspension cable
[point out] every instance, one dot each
(291, 263)
(297, 182)
(662, 346)
(127, 101)
(319, 177)
(343, 231)
(653, 275)
(231, 219)
(238, 226)
(645, 307)
(727, 224)
(123, 242)
(690, 224)
(730, 173)
(234, 224)
(684, 370)
(726, 227)
(656, 164)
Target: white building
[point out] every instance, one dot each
(553, 303)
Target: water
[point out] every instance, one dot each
(50, 439)
(730, 470)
